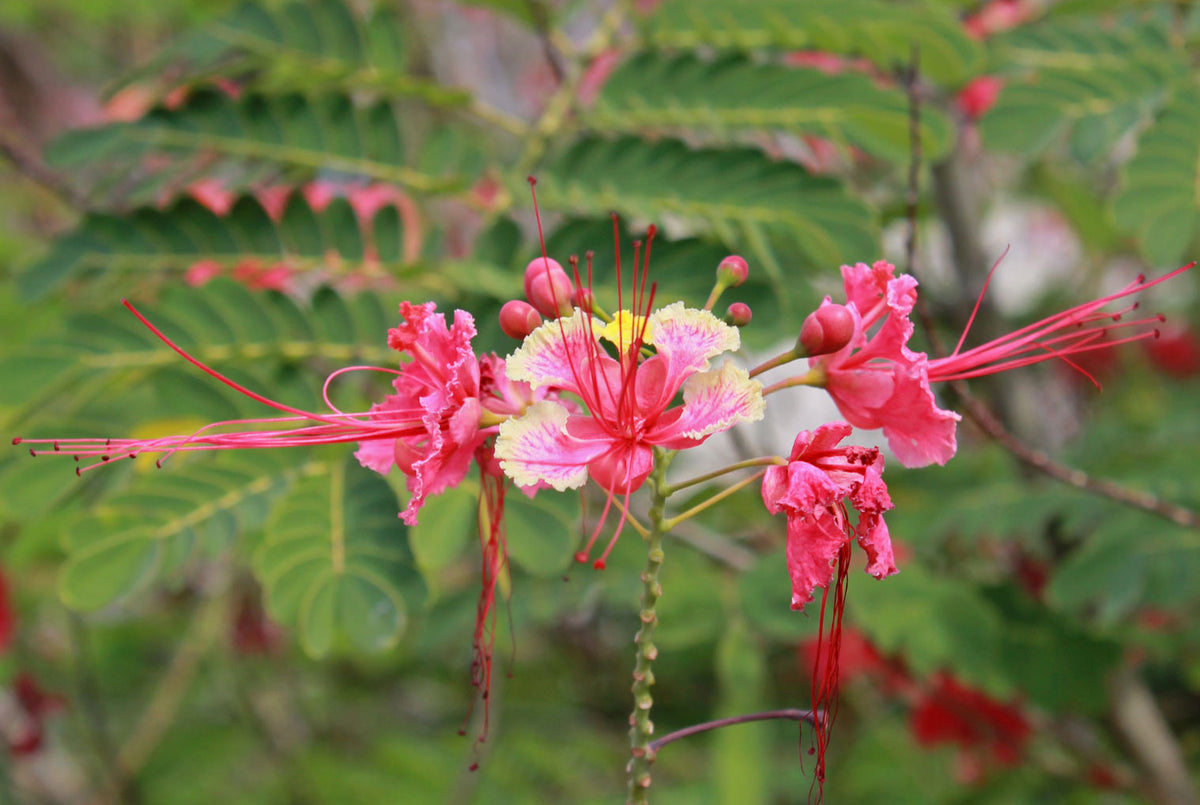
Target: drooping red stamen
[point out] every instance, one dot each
(827, 669)
(494, 549)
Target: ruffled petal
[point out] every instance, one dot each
(873, 536)
(687, 338)
(812, 546)
(918, 432)
(554, 353)
(713, 401)
(537, 447)
(800, 488)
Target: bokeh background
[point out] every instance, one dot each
(268, 180)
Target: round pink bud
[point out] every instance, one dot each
(518, 319)
(738, 314)
(827, 329)
(733, 270)
(584, 299)
(548, 287)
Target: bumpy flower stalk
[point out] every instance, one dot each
(641, 728)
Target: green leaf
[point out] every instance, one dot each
(302, 45)
(1082, 76)
(934, 623)
(732, 95)
(738, 196)
(445, 524)
(542, 532)
(254, 140)
(336, 565)
(164, 519)
(884, 32)
(765, 593)
(1159, 200)
(150, 242)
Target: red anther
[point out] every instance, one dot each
(16, 440)
(548, 287)
(518, 319)
(733, 269)
(581, 557)
(599, 564)
(827, 329)
(738, 315)
(33, 452)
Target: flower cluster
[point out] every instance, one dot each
(609, 396)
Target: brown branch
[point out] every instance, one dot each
(791, 714)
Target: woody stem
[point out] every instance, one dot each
(641, 728)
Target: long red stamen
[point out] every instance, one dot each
(826, 668)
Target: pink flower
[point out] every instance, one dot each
(430, 428)
(626, 400)
(439, 388)
(878, 382)
(812, 489)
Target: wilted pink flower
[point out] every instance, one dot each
(812, 490)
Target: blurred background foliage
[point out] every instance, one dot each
(267, 180)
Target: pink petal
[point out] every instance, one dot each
(537, 447)
(918, 432)
(713, 401)
(812, 546)
(553, 354)
(873, 536)
(800, 488)
(687, 338)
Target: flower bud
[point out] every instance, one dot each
(738, 314)
(827, 329)
(732, 271)
(548, 288)
(518, 319)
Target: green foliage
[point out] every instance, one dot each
(1081, 77)
(299, 45)
(1158, 201)
(255, 140)
(884, 32)
(335, 562)
(166, 519)
(165, 243)
(777, 211)
(733, 94)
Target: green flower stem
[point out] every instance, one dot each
(795, 353)
(809, 378)
(741, 465)
(641, 728)
(670, 523)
